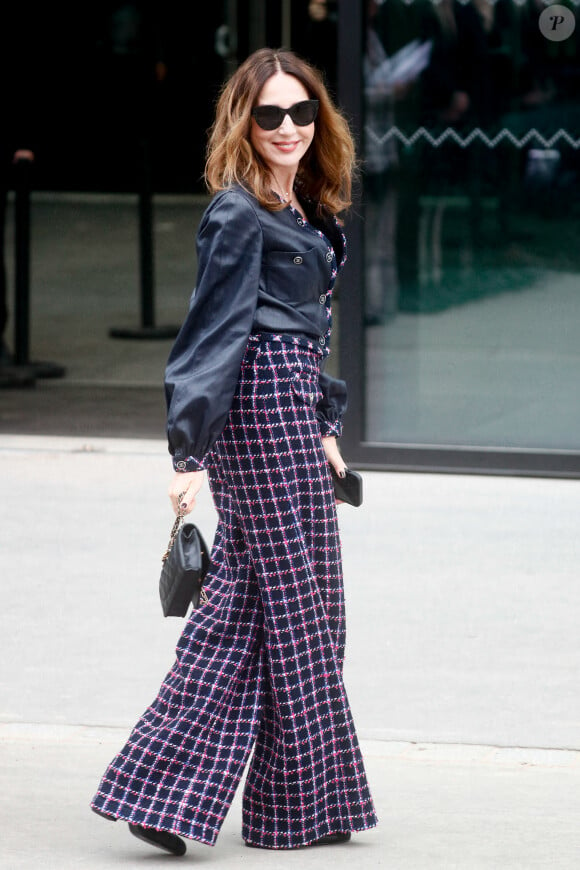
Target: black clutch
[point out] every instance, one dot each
(349, 488)
(185, 564)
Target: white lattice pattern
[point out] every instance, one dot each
(476, 134)
(493, 2)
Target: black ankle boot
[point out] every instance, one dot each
(328, 840)
(161, 839)
(338, 837)
(104, 815)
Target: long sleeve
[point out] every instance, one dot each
(332, 405)
(204, 365)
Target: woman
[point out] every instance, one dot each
(260, 665)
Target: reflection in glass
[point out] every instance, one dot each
(472, 212)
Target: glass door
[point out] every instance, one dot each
(469, 321)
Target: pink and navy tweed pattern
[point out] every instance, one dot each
(260, 666)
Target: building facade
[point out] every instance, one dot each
(458, 316)
(469, 333)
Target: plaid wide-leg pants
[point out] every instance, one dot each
(260, 666)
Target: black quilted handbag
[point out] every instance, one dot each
(185, 564)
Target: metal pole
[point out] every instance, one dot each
(350, 94)
(257, 28)
(23, 174)
(147, 329)
(286, 24)
(22, 262)
(146, 239)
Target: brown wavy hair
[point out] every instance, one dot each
(325, 172)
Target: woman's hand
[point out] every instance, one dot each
(186, 482)
(333, 454)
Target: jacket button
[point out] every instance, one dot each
(322, 298)
(298, 260)
(181, 464)
(300, 222)
(329, 256)
(322, 341)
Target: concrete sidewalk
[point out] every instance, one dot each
(440, 807)
(462, 663)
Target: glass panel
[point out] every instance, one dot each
(472, 224)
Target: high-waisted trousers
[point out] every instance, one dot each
(260, 666)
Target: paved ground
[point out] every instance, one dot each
(85, 282)
(462, 669)
(84, 410)
(462, 594)
(440, 807)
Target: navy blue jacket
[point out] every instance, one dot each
(258, 272)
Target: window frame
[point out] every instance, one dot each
(385, 456)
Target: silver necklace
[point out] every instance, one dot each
(286, 195)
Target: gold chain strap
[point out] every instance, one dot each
(176, 526)
(175, 529)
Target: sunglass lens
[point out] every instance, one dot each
(304, 113)
(268, 117)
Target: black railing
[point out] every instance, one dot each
(147, 328)
(22, 186)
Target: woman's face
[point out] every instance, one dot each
(282, 149)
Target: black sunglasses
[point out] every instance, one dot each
(272, 117)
